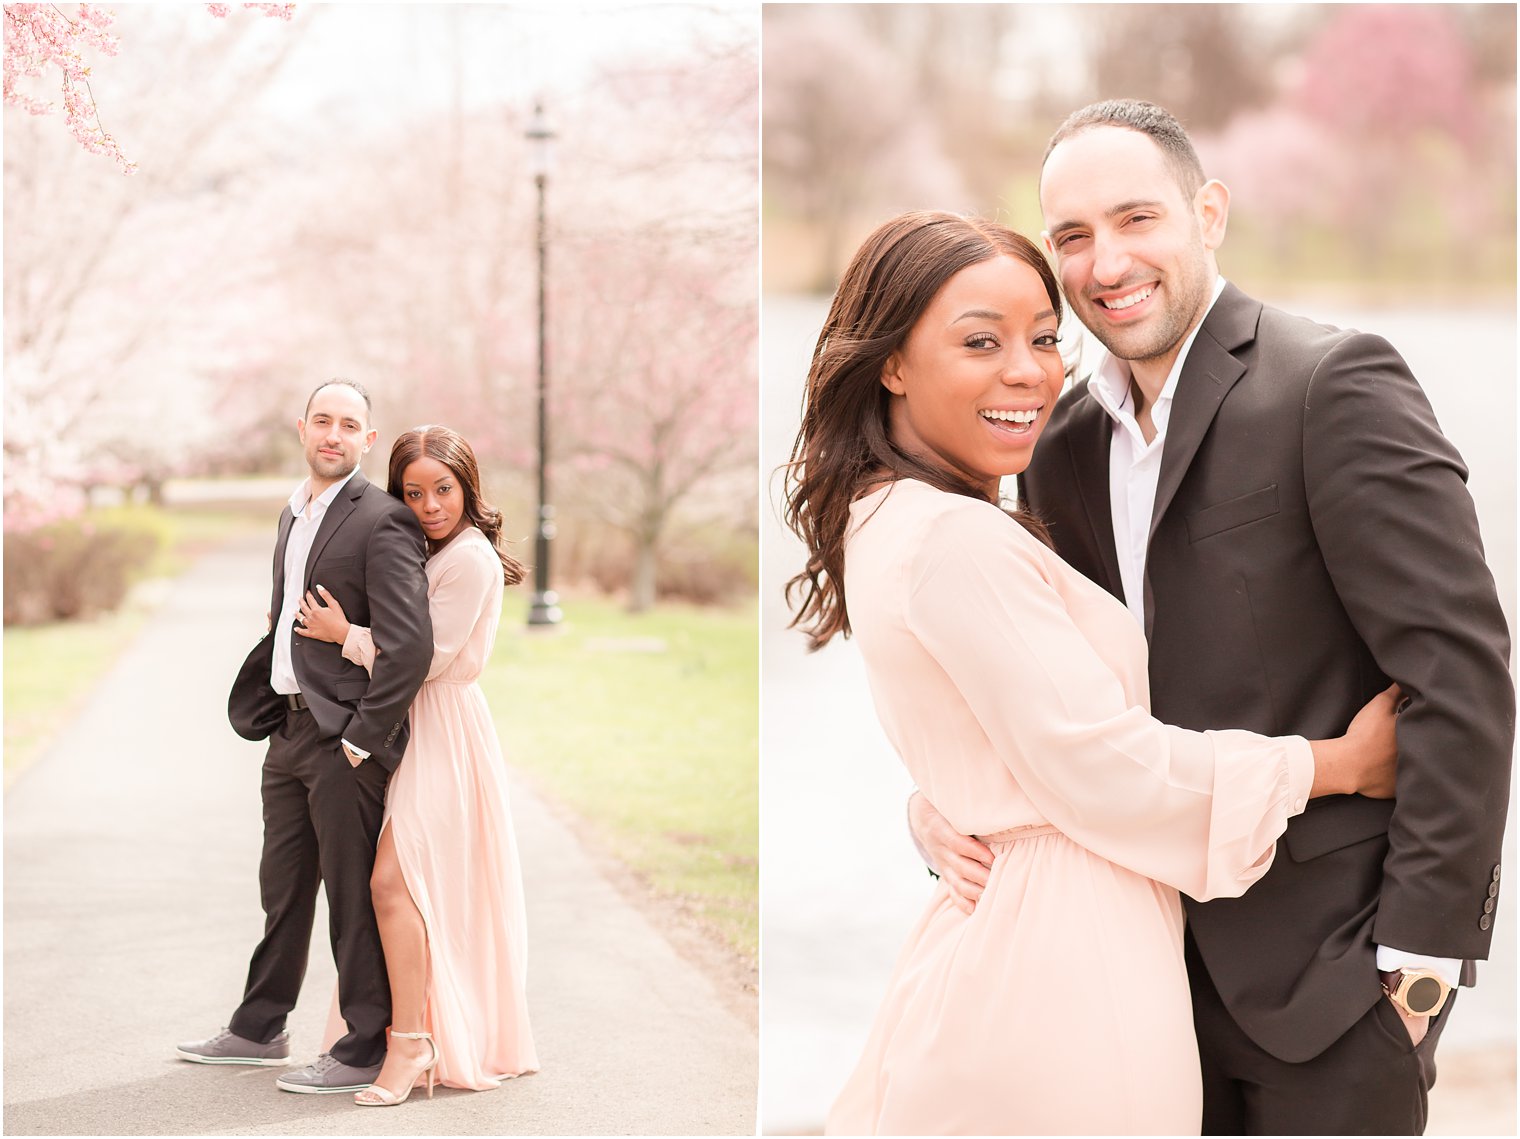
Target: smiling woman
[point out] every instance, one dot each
(938, 319)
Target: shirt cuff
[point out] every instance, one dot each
(1300, 774)
(359, 751)
(355, 645)
(918, 846)
(1389, 959)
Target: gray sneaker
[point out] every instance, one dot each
(227, 1047)
(327, 1075)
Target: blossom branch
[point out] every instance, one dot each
(42, 36)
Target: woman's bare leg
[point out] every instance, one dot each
(404, 937)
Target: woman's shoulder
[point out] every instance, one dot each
(469, 550)
(911, 503)
(927, 531)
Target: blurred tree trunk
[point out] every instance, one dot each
(1203, 62)
(641, 594)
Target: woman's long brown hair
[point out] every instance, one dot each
(844, 446)
(452, 450)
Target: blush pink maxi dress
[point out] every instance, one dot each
(1015, 691)
(448, 813)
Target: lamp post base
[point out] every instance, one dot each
(545, 609)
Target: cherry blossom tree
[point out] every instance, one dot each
(425, 272)
(846, 141)
(108, 327)
(41, 39)
(657, 391)
(1381, 150)
(1388, 71)
(655, 319)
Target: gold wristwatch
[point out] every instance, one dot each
(1418, 992)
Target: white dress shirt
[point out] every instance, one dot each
(309, 513)
(1134, 467)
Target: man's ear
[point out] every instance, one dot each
(369, 439)
(1212, 204)
(891, 375)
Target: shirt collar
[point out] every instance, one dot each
(301, 498)
(1111, 377)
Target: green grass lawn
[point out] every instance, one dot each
(48, 671)
(656, 749)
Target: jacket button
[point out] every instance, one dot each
(1485, 921)
(1496, 873)
(1493, 889)
(1488, 906)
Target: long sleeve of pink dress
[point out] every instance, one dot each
(1015, 692)
(1199, 811)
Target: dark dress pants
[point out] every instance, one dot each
(1371, 1081)
(321, 823)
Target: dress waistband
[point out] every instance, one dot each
(1015, 834)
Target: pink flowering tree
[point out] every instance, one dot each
(1382, 150)
(654, 319)
(655, 394)
(43, 42)
(425, 273)
(1393, 84)
(126, 300)
(416, 277)
(847, 141)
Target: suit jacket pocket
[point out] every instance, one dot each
(1336, 825)
(350, 691)
(1251, 507)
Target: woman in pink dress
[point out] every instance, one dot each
(1015, 692)
(447, 886)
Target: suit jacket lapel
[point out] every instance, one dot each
(1088, 436)
(337, 512)
(1207, 377)
(287, 520)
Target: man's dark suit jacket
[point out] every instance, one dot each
(1312, 538)
(369, 554)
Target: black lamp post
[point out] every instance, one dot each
(545, 607)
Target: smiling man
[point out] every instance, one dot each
(335, 734)
(1273, 501)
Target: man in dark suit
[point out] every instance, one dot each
(336, 733)
(1274, 502)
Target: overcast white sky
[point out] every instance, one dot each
(379, 61)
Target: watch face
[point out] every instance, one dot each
(1423, 995)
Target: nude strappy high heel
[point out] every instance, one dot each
(383, 1097)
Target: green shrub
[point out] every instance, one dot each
(73, 569)
(716, 566)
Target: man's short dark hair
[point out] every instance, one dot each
(339, 381)
(1156, 123)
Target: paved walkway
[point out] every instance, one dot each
(131, 906)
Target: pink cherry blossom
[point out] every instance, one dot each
(41, 39)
